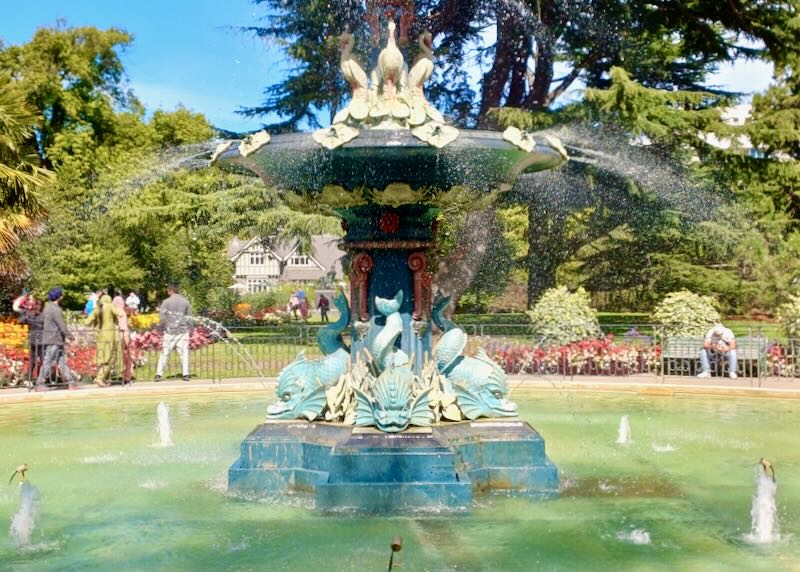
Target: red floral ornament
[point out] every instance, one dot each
(389, 223)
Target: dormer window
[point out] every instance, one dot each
(299, 260)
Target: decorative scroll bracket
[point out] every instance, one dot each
(359, 289)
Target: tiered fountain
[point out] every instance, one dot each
(390, 423)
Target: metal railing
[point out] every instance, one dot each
(261, 352)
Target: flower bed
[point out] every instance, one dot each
(151, 340)
(589, 357)
(12, 333)
(782, 360)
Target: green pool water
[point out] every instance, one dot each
(110, 500)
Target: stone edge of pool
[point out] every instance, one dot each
(639, 385)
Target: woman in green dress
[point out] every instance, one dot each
(105, 317)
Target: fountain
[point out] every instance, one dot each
(764, 511)
(624, 431)
(24, 520)
(391, 423)
(164, 426)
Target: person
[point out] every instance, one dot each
(23, 301)
(174, 317)
(91, 301)
(32, 316)
(125, 337)
(294, 304)
(105, 318)
(323, 306)
(719, 340)
(304, 309)
(132, 302)
(54, 335)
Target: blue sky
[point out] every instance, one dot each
(185, 52)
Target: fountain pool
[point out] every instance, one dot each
(109, 498)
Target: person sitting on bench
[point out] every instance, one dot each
(719, 340)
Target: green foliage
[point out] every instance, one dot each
(685, 313)
(21, 178)
(560, 316)
(74, 78)
(789, 316)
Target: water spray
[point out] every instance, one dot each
(397, 545)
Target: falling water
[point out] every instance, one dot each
(164, 426)
(24, 521)
(624, 432)
(764, 512)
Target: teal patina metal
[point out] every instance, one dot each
(401, 427)
(302, 383)
(391, 405)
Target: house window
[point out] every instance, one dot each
(257, 258)
(299, 261)
(257, 285)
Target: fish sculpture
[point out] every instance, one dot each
(480, 384)
(302, 383)
(382, 347)
(481, 387)
(390, 404)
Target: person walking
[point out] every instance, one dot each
(31, 315)
(105, 318)
(294, 304)
(54, 335)
(125, 337)
(324, 305)
(174, 319)
(91, 302)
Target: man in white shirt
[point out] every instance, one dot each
(721, 340)
(132, 302)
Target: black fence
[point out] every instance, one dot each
(216, 353)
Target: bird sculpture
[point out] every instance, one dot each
(391, 64)
(355, 75)
(21, 470)
(421, 71)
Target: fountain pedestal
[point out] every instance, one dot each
(426, 469)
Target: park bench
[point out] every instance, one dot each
(680, 355)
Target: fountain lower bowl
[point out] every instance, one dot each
(423, 469)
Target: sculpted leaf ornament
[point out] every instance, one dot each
(335, 136)
(253, 143)
(436, 134)
(521, 139)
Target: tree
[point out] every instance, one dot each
(74, 78)
(21, 179)
(664, 44)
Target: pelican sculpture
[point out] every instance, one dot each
(421, 71)
(390, 64)
(355, 75)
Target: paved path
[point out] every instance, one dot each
(641, 384)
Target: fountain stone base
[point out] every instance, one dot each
(425, 469)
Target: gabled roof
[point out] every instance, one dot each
(325, 253)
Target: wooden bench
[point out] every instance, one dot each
(680, 355)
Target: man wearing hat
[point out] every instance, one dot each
(54, 334)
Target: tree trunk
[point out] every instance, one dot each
(457, 270)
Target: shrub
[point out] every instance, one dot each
(561, 317)
(685, 313)
(789, 315)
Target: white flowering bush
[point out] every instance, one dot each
(561, 317)
(789, 316)
(685, 313)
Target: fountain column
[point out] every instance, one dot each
(390, 251)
